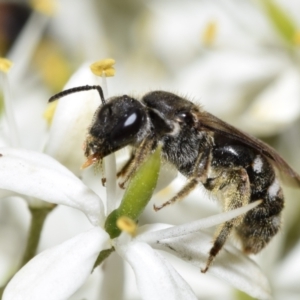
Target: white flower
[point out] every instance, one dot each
(70, 122)
(286, 281)
(64, 268)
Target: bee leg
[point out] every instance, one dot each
(141, 153)
(199, 175)
(188, 188)
(234, 187)
(99, 167)
(126, 167)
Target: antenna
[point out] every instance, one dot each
(79, 89)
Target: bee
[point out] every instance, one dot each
(234, 166)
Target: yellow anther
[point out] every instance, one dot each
(103, 67)
(53, 64)
(50, 111)
(297, 38)
(46, 7)
(5, 64)
(128, 225)
(209, 33)
(166, 192)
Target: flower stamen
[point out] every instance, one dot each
(181, 230)
(46, 7)
(209, 34)
(127, 225)
(5, 64)
(297, 38)
(50, 111)
(103, 66)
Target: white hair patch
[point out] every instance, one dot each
(274, 188)
(276, 221)
(175, 130)
(257, 164)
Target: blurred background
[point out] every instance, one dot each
(239, 59)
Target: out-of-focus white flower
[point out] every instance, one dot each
(248, 73)
(285, 280)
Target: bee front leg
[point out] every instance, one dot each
(126, 167)
(234, 187)
(139, 156)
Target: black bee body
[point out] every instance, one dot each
(227, 156)
(235, 167)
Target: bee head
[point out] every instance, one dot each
(120, 122)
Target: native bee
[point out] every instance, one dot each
(237, 168)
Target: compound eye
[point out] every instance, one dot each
(184, 117)
(128, 126)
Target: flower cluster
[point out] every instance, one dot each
(57, 220)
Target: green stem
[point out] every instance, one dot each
(38, 217)
(137, 195)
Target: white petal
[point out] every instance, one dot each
(58, 272)
(166, 175)
(248, 73)
(288, 272)
(277, 106)
(5, 193)
(72, 118)
(114, 276)
(195, 226)
(156, 278)
(40, 176)
(231, 265)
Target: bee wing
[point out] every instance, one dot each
(212, 123)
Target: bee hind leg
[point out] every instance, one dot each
(234, 186)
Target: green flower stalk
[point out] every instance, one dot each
(137, 195)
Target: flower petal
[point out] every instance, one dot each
(166, 175)
(72, 117)
(195, 226)
(40, 176)
(156, 278)
(277, 106)
(231, 265)
(288, 272)
(58, 272)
